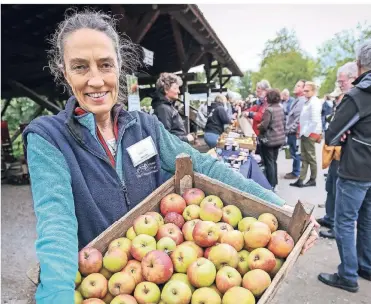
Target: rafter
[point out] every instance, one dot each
(144, 26)
(178, 41)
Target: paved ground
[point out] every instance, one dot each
(301, 287)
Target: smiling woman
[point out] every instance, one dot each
(93, 162)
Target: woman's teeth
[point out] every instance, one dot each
(96, 95)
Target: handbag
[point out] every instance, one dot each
(330, 153)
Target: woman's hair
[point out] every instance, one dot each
(165, 81)
(312, 85)
(263, 84)
(273, 96)
(219, 98)
(128, 54)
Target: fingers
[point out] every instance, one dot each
(310, 242)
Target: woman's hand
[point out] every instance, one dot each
(343, 137)
(312, 237)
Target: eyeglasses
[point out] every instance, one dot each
(306, 91)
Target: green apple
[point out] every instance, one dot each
(223, 255)
(243, 295)
(270, 220)
(257, 281)
(77, 279)
(182, 257)
(166, 244)
(123, 243)
(210, 212)
(279, 263)
(198, 249)
(147, 292)
(206, 295)
(176, 292)
(121, 283)
(191, 212)
(233, 238)
(124, 299)
(158, 217)
(188, 227)
(201, 273)
(141, 245)
(115, 259)
(231, 215)
(146, 224)
(212, 199)
(243, 263)
(257, 236)
(78, 297)
(183, 278)
(94, 286)
(130, 234)
(245, 223)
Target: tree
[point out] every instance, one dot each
(245, 84)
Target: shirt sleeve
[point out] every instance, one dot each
(57, 243)
(223, 115)
(171, 146)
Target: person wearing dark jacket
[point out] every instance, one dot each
(216, 120)
(167, 92)
(353, 193)
(272, 134)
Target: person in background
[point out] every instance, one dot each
(327, 109)
(345, 76)
(203, 108)
(292, 123)
(272, 135)
(286, 101)
(216, 120)
(310, 134)
(166, 94)
(229, 104)
(353, 192)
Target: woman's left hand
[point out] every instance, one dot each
(312, 237)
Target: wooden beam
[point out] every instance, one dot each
(5, 106)
(144, 26)
(225, 81)
(213, 75)
(42, 101)
(192, 61)
(178, 42)
(220, 70)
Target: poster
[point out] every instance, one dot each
(133, 93)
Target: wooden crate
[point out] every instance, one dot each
(297, 224)
(243, 142)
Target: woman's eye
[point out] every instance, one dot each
(79, 67)
(106, 65)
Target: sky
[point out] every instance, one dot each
(244, 28)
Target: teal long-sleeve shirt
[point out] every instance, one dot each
(57, 242)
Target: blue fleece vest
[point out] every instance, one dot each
(101, 196)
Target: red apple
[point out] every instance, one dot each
(174, 218)
(157, 267)
(134, 268)
(141, 245)
(94, 286)
(257, 281)
(223, 255)
(121, 283)
(210, 212)
(224, 227)
(233, 238)
(172, 231)
(226, 278)
(172, 203)
(187, 229)
(270, 220)
(145, 224)
(90, 261)
(257, 236)
(207, 251)
(281, 244)
(205, 233)
(193, 196)
(198, 249)
(157, 216)
(261, 258)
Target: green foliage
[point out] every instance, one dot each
(245, 84)
(146, 102)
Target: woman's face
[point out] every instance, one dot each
(173, 92)
(91, 70)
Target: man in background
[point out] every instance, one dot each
(286, 101)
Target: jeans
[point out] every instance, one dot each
(331, 192)
(211, 139)
(308, 158)
(353, 203)
(269, 156)
(291, 141)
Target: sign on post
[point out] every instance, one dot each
(133, 93)
(148, 56)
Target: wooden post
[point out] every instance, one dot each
(220, 78)
(184, 91)
(300, 219)
(183, 173)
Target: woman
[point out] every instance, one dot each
(272, 134)
(94, 161)
(163, 105)
(218, 117)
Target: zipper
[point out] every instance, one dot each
(361, 142)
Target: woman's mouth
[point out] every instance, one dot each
(97, 97)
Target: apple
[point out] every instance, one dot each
(193, 196)
(223, 255)
(210, 212)
(191, 212)
(108, 298)
(201, 273)
(121, 283)
(261, 258)
(212, 199)
(257, 281)
(134, 268)
(205, 233)
(243, 263)
(172, 203)
(216, 289)
(94, 286)
(176, 292)
(206, 295)
(243, 295)
(279, 263)
(90, 261)
(141, 245)
(93, 301)
(198, 249)
(172, 231)
(245, 223)
(147, 292)
(123, 243)
(157, 267)
(270, 220)
(124, 299)
(78, 297)
(157, 216)
(226, 278)
(166, 244)
(224, 227)
(146, 224)
(183, 278)
(231, 215)
(130, 234)
(107, 274)
(257, 236)
(77, 278)
(175, 218)
(188, 227)
(233, 238)
(207, 251)
(115, 259)
(281, 244)
(182, 257)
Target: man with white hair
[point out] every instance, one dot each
(353, 193)
(345, 76)
(286, 101)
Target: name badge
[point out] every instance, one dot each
(142, 151)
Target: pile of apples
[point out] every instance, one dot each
(196, 251)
